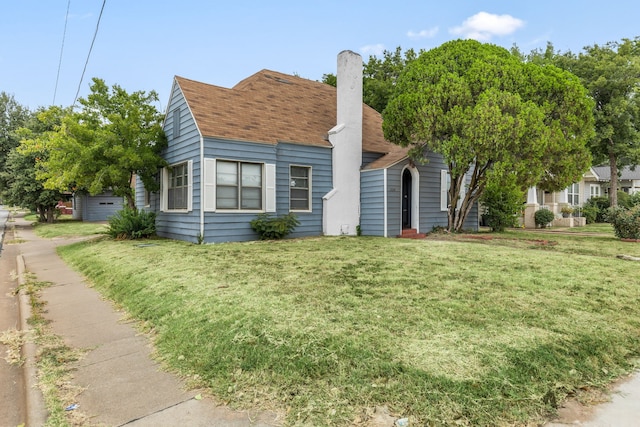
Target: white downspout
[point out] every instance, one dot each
(384, 201)
(201, 188)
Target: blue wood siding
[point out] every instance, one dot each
(372, 202)
(222, 227)
(368, 157)
(430, 213)
(319, 159)
(184, 147)
(394, 200)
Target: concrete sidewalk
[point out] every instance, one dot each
(121, 383)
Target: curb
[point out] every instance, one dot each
(34, 400)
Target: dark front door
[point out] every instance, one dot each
(406, 199)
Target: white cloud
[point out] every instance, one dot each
(483, 26)
(423, 34)
(372, 49)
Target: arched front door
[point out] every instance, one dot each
(406, 198)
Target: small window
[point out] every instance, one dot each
(594, 190)
(178, 189)
(238, 185)
(299, 188)
(176, 123)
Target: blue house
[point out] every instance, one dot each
(277, 143)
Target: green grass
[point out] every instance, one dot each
(67, 227)
(599, 227)
(446, 331)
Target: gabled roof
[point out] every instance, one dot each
(271, 107)
(628, 173)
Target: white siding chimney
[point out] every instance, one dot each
(341, 206)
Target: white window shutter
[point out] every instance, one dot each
(270, 187)
(209, 182)
(463, 189)
(443, 189)
(164, 187)
(190, 186)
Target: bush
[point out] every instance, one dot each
(590, 213)
(502, 204)
(624, 199)
(599, 205)
(634, 199)
(543, 217)
(132, 224)
(626, 222)
(271, 228)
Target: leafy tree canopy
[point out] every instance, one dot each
(611, 74)
(101, 147)
(12, 117)
(491, 115)
(23, 188)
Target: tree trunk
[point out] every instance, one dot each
(131, 203)
(454, 194)
(613, 189)
(50, 215)
(41, 213)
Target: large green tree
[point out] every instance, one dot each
(611, 74)
(12, 117)
(490, 115)
(115, 136)
(22, 187)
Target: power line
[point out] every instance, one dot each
(64, 34)
(89, 54)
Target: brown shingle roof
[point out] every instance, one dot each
(272, 107)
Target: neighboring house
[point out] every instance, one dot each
(277, 143)
(628, 180)
(595, 183)
(96, 208)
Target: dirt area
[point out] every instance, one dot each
(580, 410)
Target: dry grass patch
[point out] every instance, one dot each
(54, 361)
(13, 339)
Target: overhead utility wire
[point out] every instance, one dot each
(64, 34)
(89, 54)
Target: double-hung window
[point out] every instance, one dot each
(238, 185)
(573, 194)
(178, 187)
(299, 188)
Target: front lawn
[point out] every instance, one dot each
(452, 331)
(65, 226)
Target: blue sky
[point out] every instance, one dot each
(142, 44)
